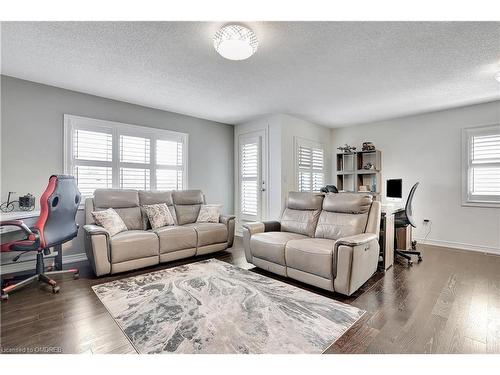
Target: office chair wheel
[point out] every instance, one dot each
(55, 289)
(410, 263)
(420, 258)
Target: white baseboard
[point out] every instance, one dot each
(461, 246)
(15, 267)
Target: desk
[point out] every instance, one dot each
(387, 233)
(10, 233)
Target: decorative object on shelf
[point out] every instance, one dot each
(368, 146)
(235, 42)
(346, 148)
(363, 188)
(25, 203)
(369, 166)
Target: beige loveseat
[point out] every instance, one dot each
(140, 246)
(327, 241)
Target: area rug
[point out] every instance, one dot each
(214, 307)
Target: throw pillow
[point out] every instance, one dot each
(109, 220)
(159, 215)
(209, 213)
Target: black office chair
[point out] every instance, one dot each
(402, 219)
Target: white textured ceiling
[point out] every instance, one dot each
(331, 73)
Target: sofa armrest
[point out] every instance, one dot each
(356, 240)
(250, 229)
(229, 222)
(93, 229)
(355, 259)
(97, 247)
(264, 226)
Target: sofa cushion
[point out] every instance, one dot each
(187, 205)
(148, 197)
(312, 255)
(133, 244)
(299, 221)
(124, 202)
(335, 225)
(115, 198)
(270, 246)
(158, 215)
(301, 213)
(209, 233)
(348, 203)
(109, 220)
(174, 238)
(209, 213)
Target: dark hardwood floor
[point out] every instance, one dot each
(449, 303)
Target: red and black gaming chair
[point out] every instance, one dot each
(55, 225)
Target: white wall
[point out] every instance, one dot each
(32, 139)
(427, 148)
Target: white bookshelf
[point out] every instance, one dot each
(351, 173)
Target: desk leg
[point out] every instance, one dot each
(58, 260)
(389, 242)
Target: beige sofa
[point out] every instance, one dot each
(327, 241)
(140, 246)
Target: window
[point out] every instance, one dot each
(104, 154)
(481, 170)
(310, 160)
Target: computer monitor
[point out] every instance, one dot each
(394, 189)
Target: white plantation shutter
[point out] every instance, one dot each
(103, 154)
(93, 156)
(135, 168)
(310, 166)
(90, 178)
(170, 164)
(249, 178)
(483, 164)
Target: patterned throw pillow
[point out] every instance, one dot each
(159, 215)
(109, 220)
(209, 213)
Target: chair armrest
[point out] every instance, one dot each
(229, 222)
(19, 224)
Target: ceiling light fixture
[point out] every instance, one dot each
(235, 42)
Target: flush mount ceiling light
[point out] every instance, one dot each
(235, 42)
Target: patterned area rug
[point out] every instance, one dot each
(214, 307)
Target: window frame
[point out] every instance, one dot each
(299, 141)
(117, 129)
(468, 199)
